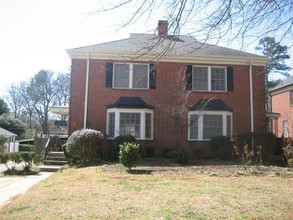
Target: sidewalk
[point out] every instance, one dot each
(12, 187)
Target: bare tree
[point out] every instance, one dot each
(15, 100)
(42, 92)
(213, 19)
(62, 88)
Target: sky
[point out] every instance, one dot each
(34, 34)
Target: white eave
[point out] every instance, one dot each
(231, 60)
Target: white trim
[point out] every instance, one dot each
(225, 60)
(200, 122)
(142, 113)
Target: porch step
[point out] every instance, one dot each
(53, 162)
(50, 168)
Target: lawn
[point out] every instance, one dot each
(159, 190)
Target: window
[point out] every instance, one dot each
(206, 124)
(291, 97)
(209, 78)
(131, 76)
(136, 122)
(285, 129)
(111, 124)
(130, 124)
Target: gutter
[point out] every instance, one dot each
(86, 90)
(251, 106)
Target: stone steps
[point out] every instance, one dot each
(53, 162)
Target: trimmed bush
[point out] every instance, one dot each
(120, 140)
(84, 145)
(27, 148)
(129, 154)
(222, 147)
(180, 155)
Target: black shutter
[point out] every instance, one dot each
(230, 83)
(152, 76)
(109, 75)
(188, 77)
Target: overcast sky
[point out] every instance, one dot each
(35, 34)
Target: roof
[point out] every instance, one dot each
(130, 102)
(283, 85)
(146, 47)
(6, 133)
(210, 105)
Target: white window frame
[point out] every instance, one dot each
(130, 83)
(200, 122)
(142, 112)
(210, 78)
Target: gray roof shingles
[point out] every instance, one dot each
(150, 43)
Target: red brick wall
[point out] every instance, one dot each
(161, 98)
(281, 104)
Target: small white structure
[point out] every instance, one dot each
(11, 145)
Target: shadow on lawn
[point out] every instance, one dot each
(140, 172)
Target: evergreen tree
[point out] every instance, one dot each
(277, 55)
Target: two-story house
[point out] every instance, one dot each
(166, 90)
(282, 103)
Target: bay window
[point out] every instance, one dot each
(206, 124)
(135, 122)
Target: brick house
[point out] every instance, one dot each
(282, 104)
(166, 90)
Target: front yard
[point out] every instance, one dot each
(159, 190)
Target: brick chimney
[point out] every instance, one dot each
(162, 28)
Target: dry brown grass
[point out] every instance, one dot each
(159, 191)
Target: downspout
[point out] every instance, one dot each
(86, 90)
(251, 106)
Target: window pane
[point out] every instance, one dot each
(140, 76)
(229, 126)
(148, 125)
(111, 124)
(193, 126)
(200, 78)
(212, 126)
(121, 75)
(218, 79)
(130, 124)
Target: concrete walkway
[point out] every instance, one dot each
(12, 187)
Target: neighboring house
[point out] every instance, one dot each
(11, 145)
(166, 90)
(282, 103)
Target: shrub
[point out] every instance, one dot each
(166, 151)
(288, 153)
(119, 140)
(27, 148)
(221, 146)
(180, 155)
(84, 145)
(198, 153)
(129, 154)
(27, 158)
(265, 139)
(149, 151)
